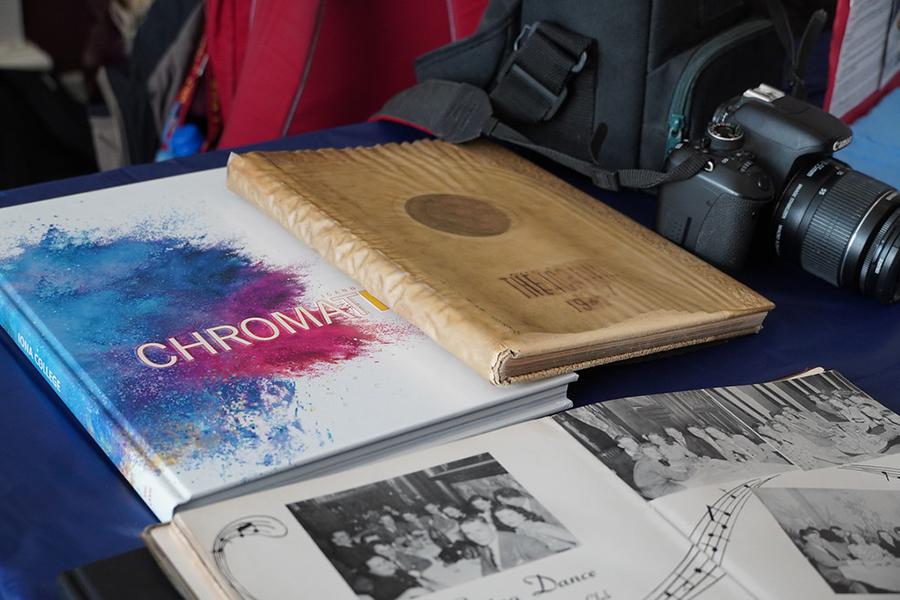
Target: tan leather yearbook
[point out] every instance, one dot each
(517, 273)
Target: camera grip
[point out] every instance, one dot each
(725, 234)
(714, 214)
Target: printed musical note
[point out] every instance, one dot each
(261, 525)
(890, 474)
(251, 526)
(710, 538)
(686, 584)
(712, 516)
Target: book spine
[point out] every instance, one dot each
(149, 481)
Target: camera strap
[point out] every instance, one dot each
(532, 85)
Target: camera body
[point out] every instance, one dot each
(838, 224)
(781, 130)
(714, 213)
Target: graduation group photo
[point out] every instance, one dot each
(407, 536)
(850, 537)
(817, 421)
(671, 442)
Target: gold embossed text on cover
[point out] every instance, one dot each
(514, 271)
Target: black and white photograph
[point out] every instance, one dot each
(667, 443)
(817, 421)
(405, 537)
(851, 537)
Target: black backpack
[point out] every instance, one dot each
(603, 86)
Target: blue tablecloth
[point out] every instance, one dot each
(63, 504)
(876, 141)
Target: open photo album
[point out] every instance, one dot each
(788, 489)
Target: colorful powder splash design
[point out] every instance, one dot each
(103, 298)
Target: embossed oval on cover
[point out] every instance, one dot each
(462, 215)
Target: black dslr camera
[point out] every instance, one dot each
(771, 178)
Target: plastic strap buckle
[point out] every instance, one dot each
(608, 180)
(528, 31)
(551, 99)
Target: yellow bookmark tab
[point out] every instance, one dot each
(373, 300)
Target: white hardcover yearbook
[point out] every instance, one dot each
(208, 352)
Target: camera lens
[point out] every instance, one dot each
(842, 226)
(881, 268)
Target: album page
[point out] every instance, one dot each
(793, 487)
(517, 513)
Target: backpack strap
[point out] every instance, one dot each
(461, 112)
(533, 81)
(799, 54)
(531, 86)
(545, 75)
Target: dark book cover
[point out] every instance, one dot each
(134, 575)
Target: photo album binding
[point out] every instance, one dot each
(788, 489)
(205, 348)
